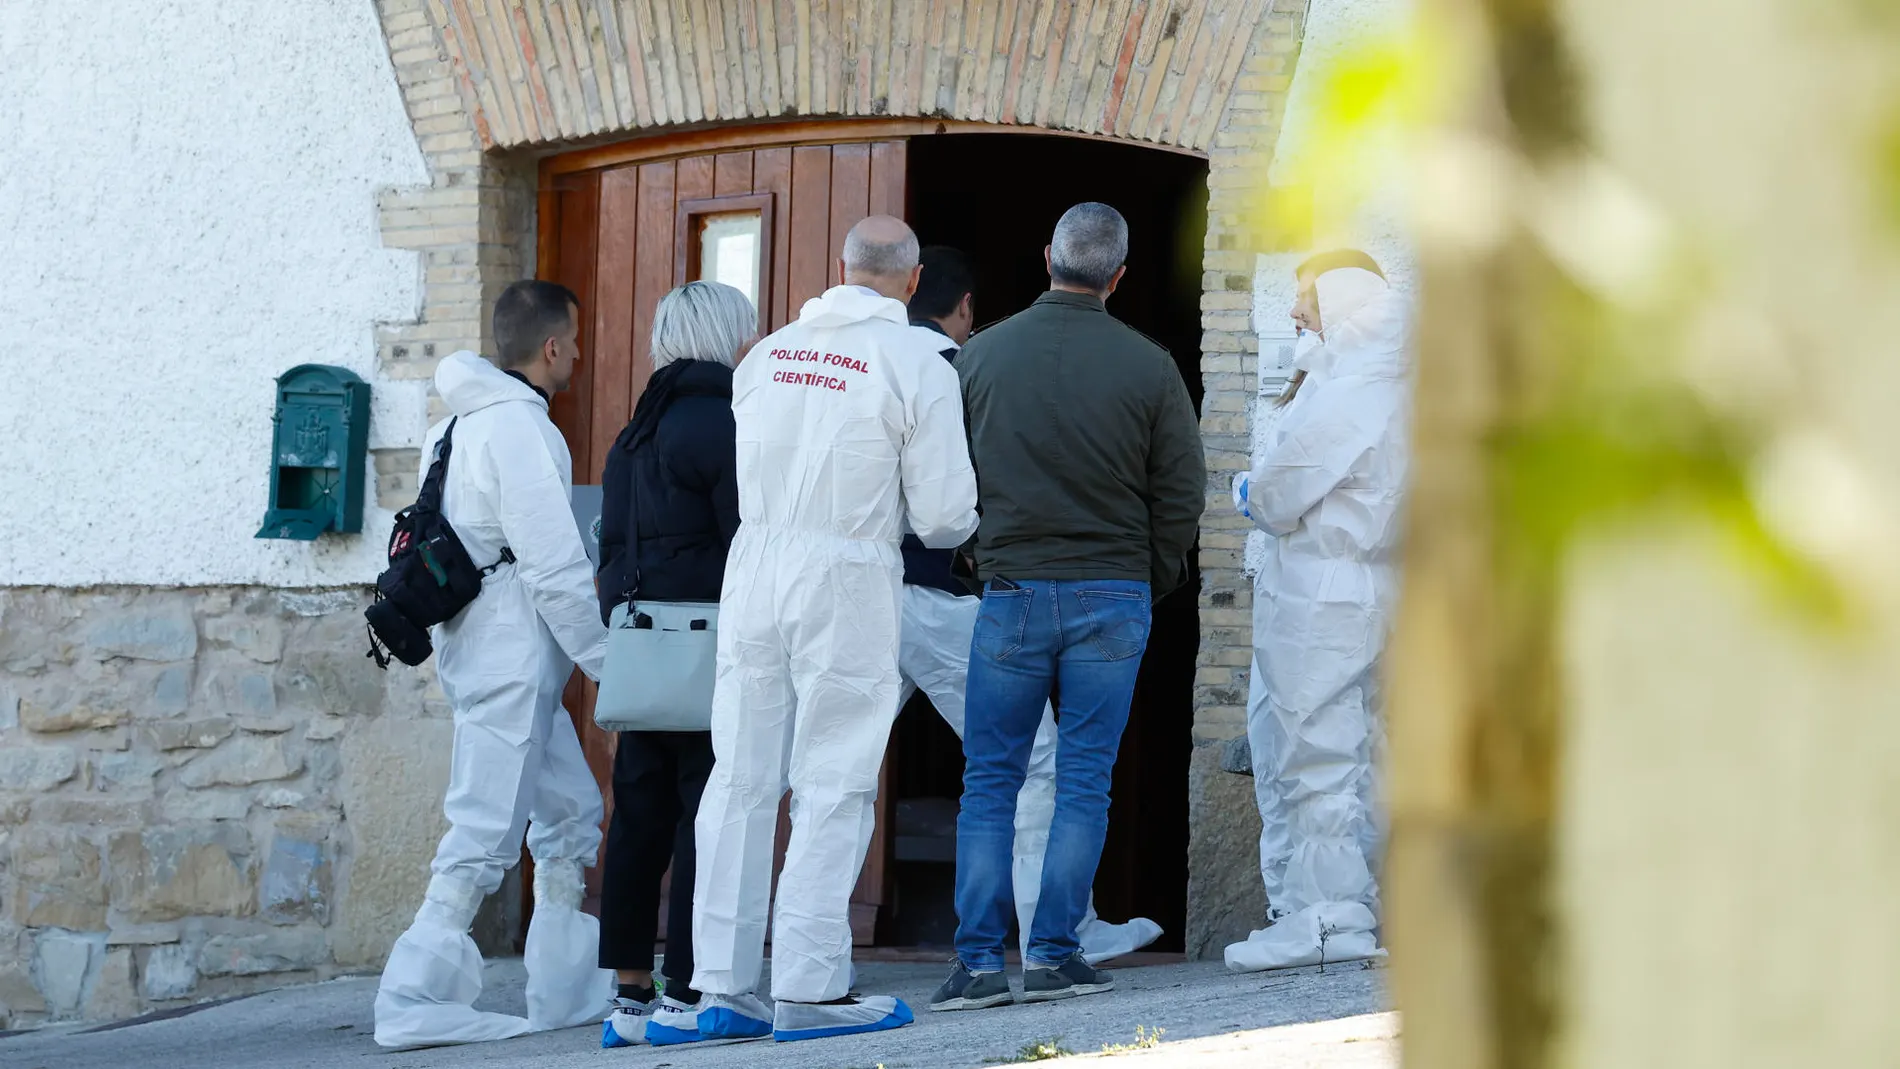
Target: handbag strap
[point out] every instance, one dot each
(633, 531)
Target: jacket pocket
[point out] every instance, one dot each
(1001, 623)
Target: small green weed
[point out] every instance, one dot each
(1145, 1039)
(1040, 1050)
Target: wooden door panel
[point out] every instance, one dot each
(654, 270)
(611, 354)
(772, 173)
(850, 195)
(732, 174)
(613, 236)
(810, 267)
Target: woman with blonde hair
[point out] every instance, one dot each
(669, 508)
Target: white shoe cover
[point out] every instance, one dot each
(1295, 940)
(434, 975)
(793, 1021)
(1101, 940)
(565, 988)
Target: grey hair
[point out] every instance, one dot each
(703, 321)
(865, 255)
(1089, 246)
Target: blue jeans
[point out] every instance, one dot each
(1083, 640)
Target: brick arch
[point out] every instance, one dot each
(543, 72)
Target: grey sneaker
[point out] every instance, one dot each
(966, 990)
(1071, 978)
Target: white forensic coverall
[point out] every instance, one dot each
(1329, 488)
(849, 431)
(516, 763)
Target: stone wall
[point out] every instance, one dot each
(203, 793)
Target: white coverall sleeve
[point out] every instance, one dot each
(537, 519)
(1307, 463)
(939, 484)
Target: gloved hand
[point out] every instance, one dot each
(1240, 495)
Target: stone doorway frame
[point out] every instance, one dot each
(494, 92)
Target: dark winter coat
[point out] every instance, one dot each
(671, 473)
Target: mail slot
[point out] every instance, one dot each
(319, 439)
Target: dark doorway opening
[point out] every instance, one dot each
(997, 198)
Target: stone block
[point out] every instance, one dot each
(197, 806)
(114, 995)
(1237, 757)
(255, 633)
(295, 886)
(13, 811)
(171, 693)
(91, 811)
(188, 734)
(131, 935)
(317, 603)
(282, 798)
(66, 968)
(266, 725)
(393, 776)
(30, 769)
(324, 670)
(1226, 899)
(56, 718)
(170, 972)
(243, 761)
(148, 632)
(18, 994)
(56, 880)
(164, 874)
(265, 952)
(238, 689)
(132, 773)
(9, 708)
(325, 728)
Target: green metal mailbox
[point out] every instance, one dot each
(318, 446)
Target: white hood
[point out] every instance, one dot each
(843, 305)
(469, 383)
(1365, 327)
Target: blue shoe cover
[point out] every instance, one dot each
(793, 1021)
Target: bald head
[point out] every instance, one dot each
(881, 253)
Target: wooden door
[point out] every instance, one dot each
(620, 237)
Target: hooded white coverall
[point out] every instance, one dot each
(516, 764)
(933, 654)
(849, 430)
(1329, 489)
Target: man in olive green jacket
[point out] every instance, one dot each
(1091, 481)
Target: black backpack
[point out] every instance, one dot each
(430, 577)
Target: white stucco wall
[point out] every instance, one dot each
(187, 209)
(1375, 224)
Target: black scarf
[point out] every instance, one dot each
(681, 378)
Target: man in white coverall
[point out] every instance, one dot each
(1328, 486)
(516, 764)
(850, 432)
(939, 619)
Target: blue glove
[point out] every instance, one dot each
(1240, 495)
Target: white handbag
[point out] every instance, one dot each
(662, 657)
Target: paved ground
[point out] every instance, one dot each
(1210, 1017)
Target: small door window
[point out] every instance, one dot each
(729, 248)
(728, 239)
